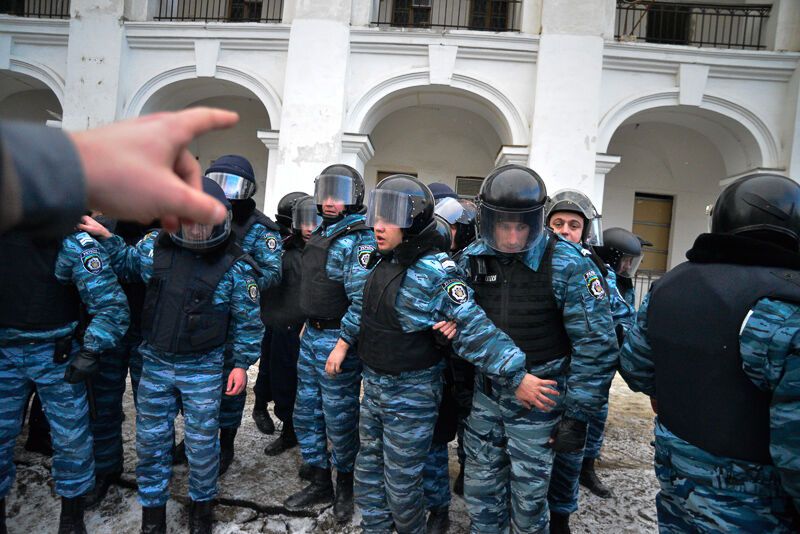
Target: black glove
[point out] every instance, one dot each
(82, 367)
(569, 435)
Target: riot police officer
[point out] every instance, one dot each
(715, 346)
(285, 319)
(547, 296)
(413, 290)
(333, 273)
(263, 386)
(623, 253)
(259, 237)
(45, 282)
(202, 297)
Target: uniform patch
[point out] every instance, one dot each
(364, 252)
(457, 291)
(594, 285)
(85, 240)
(449, 265)
(252, 290)
(91, 261)
(272, 243)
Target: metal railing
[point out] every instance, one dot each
(221, 10)
(485, 15)
(642, 282)
(44, 9)
(711, 25)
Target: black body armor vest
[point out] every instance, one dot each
(280, 305)
(694, 318)
(382, 344)
(179, 315)
(31, 297)
(321, 297)
(520, 301)
(241, 222)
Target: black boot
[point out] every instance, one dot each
(154, 519)
(305, 472)
(263, 421)
(319, 491)
(101, 484)
(590, 481)
(226, 439)
(343, 502)
(71, 520)
(559, 523)
(201, 517)
(458, 485)
(3, 517)
(179, 454)
(438, 520)
(285, 441)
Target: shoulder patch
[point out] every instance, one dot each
(586, 252)
(92, 261)
(456, 290)
(85, 239)
(364, 252)
(252, 289)
(449, 265)
(271, 242)
(594, 285)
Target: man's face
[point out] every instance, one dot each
(197, 232)
(388, 236)
(511, 236)
(453, 230)
(332, 207)
(625, 264)
(568, 225)
(305, 232)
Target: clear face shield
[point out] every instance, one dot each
(511, 231)
(202, 236)
(709, 215)
(336, 190)
(235, 187)
(628, 264)
(389, 207)
(305, 217)
(594, 232)
(456, 211)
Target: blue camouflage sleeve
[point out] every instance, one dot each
(348, 259)
(770, 347)
(265, 247)
(135, 263)
(239, 290)
(83, 262)
(590, 327)
(636, 356)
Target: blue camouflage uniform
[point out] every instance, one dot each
(702, 492)
(264, 246)
(562, 496)
(27, 360)
(195, 377)
(398, 411)
(508, 457)
(326, 408)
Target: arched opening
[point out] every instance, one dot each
(23, 97)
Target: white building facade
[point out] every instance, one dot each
(649, 107)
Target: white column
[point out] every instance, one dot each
(509, 154)
(272, 191)
(357, 150)
(604, 164)
(792, 127)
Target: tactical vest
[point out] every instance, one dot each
(31, 297)
(179, 315)
(321, 297)
(280, 305)
(694, 318)
(240, 227)
(520, 302)
(382, 344)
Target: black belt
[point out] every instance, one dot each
(325, 324)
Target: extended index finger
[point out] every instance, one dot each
(192, 122)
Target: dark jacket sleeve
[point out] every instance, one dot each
(42, 189)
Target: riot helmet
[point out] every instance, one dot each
(304, 215)
(573, 201)
(201, 237)
(235, 176)
(403, 201)
(622, 251)
(511, 208)
(461, 215)
(444, 236)
(762, 206)
(286, 207)
(441, 191)
(341, 185)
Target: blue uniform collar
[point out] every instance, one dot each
(348, 220)
(532, 258)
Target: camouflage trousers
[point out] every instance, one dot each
(195, 379)
(109, 388)
(701, 492)
(398, 413)
(562, 496)
(326, 407)
(27, 365)
(508, 462)
(436, 477)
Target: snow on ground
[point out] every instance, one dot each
(252, 491)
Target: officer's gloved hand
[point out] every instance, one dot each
(82, 367)
(569, 435)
